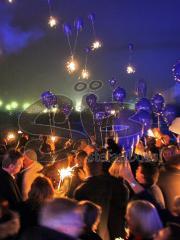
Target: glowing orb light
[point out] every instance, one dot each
(20, 132)
(54, 110)
(71, 66)
(10, 1)
(1, 103)
(96, 45)
(45, 110)
(52, 21)
(130, 69)
(11, 137)
(14, 105)
(53, 138)
(8, 107)
(85, 74)
(150, 133)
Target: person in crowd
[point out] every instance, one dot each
(142, 219)
(109, 193)
(91, 216)
(45, 148)
(169, 180)
(11, 165)
(71, 159)
(84, 146)
(59, 219)
(167, 153)
(9, 222)
(32, 169)
(171, 232)
(41, 191)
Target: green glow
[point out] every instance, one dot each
(8, 107)
(14, 105)
(26, 105)
(1, 103)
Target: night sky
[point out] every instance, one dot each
(33, 56)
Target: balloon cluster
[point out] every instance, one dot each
(49, 99)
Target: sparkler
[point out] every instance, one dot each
(71, 66)
(11, 137)
(85, 74)
(130, 69)
(52, 21)
(96, 45)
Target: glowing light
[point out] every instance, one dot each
(45, 110)
(11, 137)
(96, 45)
(85, 74)
(1, 103)
(10, 1)
(26, 105)
(53, 138)
(113, 112)
(52, 21)
(71, 66)
(150, 133)
(14, 105)
(54, 110)
(130, 69)
(20, 132)
(65, 172)
(8, 107)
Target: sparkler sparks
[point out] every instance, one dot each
(96, 45)
(130, 69)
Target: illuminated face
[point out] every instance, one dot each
(14, 169)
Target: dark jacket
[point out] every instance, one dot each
(9, 190)
(112, 195)
(43, 233)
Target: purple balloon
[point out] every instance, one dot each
(143, 104)
(176, 71)
(144, 117)
(67, 29)
(78, 23)
(141, 89)
(91, 17)
(49, 99)
(91, 100)
(112, 82)
(66, 109)
(169, 114)
(158, 102)
(119, 94)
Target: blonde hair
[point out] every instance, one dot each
(144, 218)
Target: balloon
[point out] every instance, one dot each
(143, 104)
(79, 24)
(66, 109)
(144, 117)
(141, 89)
(176, 71)
(99, 116)
(91, 100)
(169, 114)
(157, 102)
(67, 29)
(131, 46)
(91, 17)
(119, 94)
(112, 82)
(49, 99)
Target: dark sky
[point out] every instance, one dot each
(33, 56)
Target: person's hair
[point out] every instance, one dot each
(144, 217)
(91, 214)
(150, 172)
(94, 164)
(62, 214)
(41, 190)
(81, 155)
(31, 154)
(11, 157)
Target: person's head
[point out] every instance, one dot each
(30, 157)
(174, 162)
(168, 152)
(142, 219)
(83, 144)
(81, 157)
(12, 162)
(91, 215)
(41, 190)
(93, 166)
(172, 232)
(176, 206)
(147, 173)
(62, 215)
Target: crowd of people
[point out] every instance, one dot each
(107, 195)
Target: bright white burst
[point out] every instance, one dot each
(71, 66)
(53, 138)
(85, 74)
(96, 45)
(150, 133)
(130, 69)
(52, 21)
(10, 1)
(11, 136)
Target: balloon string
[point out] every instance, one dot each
(50, 123)
(94, 31)
(69, 125)
(69, 44)
(50, 8)
(75, 42)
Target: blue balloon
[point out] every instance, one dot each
(119, 94)
(143, 104)
(158, 102)
(176, 71)
(169, 114)
(79, 24)
(66, 109)
(144, 117)
(91, 100)
(67, 29)
(49, 99)
(91, 17)
(141, 89)
(112, 82)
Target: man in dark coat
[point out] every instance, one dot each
(108, 192)
(11, 165)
